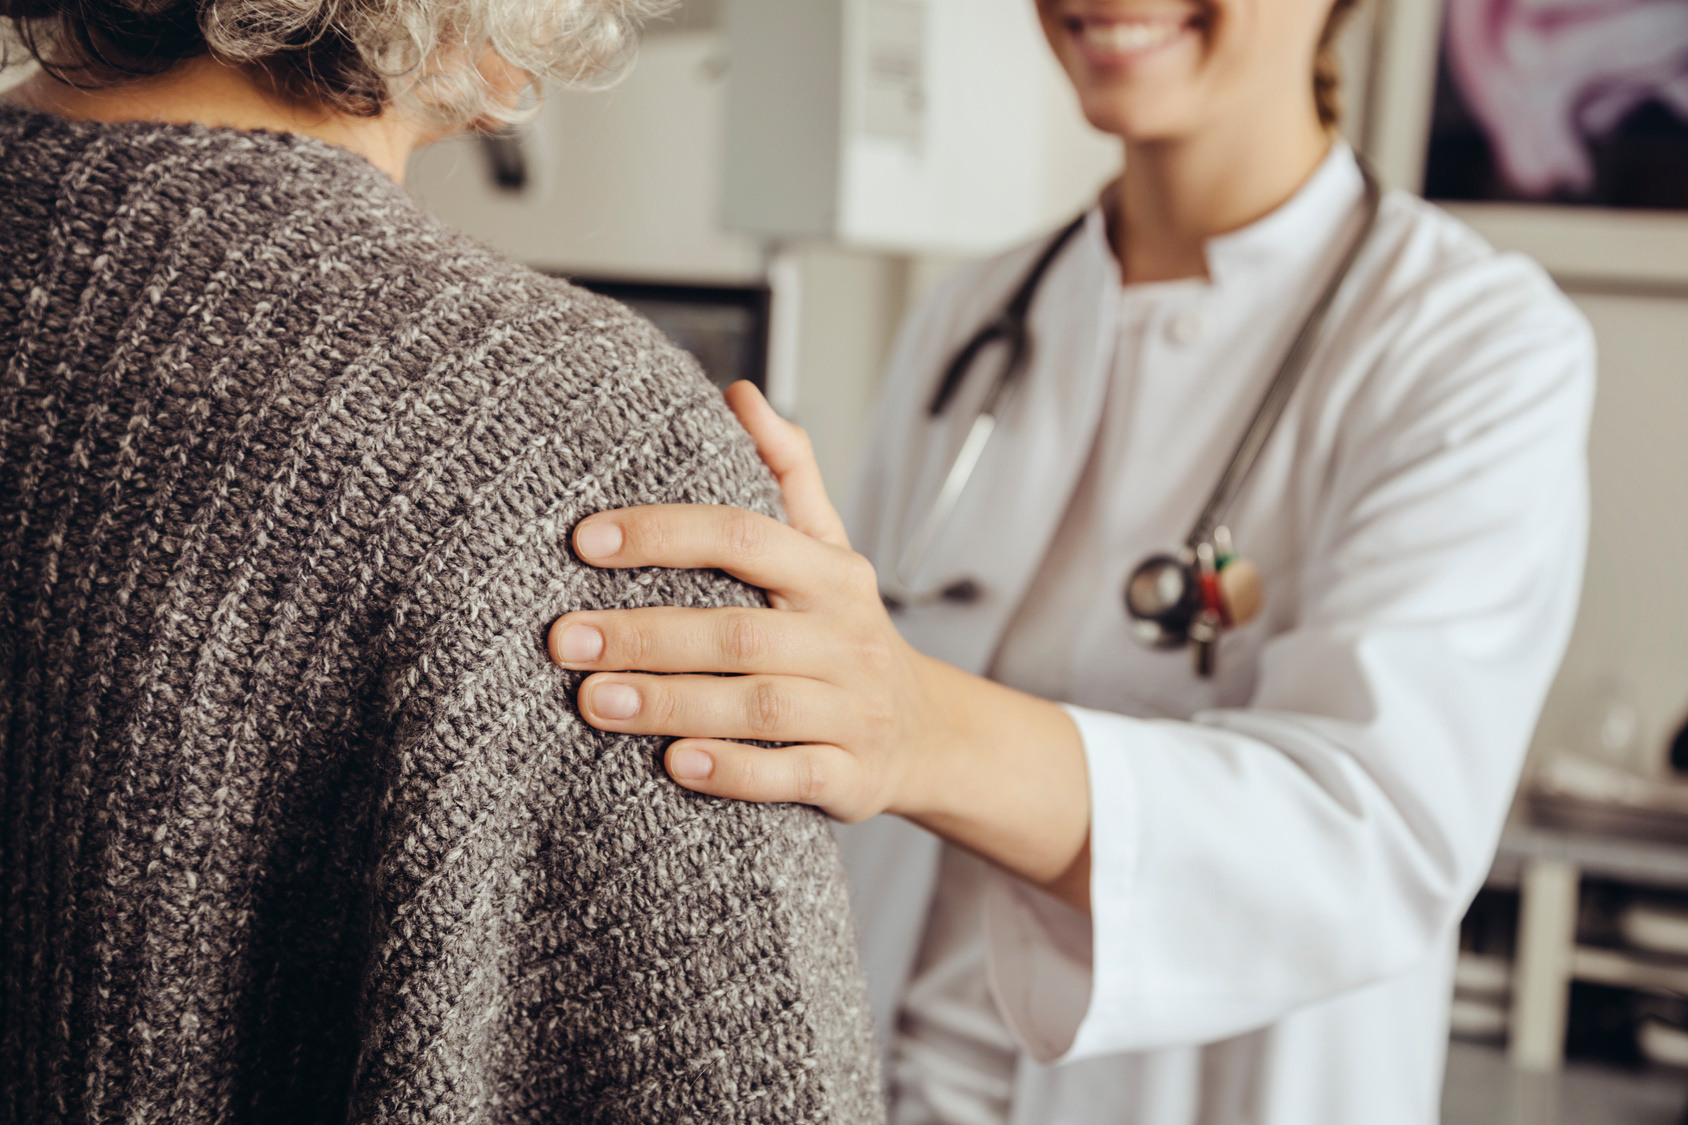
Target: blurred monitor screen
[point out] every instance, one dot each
(724, 326)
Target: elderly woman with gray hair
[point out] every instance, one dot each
(297, 822)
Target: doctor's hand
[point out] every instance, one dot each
(823, 669)
(874, 725)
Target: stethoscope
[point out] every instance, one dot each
(1172, 599)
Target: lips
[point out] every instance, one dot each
(1112, 40)
(1129, 37)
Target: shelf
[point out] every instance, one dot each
(1649, 863)
(1626, 970)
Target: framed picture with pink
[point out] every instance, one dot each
(1556, 127)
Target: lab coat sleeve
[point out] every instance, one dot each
(1331, 833)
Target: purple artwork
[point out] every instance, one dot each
(1568, 101)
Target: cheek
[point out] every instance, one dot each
(1272, 43)
(1259, 54)
(1050, 22)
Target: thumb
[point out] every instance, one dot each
(786, 450)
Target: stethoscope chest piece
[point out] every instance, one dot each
(1191, 597)
(1162, 600)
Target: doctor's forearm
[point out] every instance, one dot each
(1009, 783)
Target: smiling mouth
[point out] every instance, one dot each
(1121, 38)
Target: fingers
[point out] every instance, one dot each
(753, 548)
(667, 639)
(786, 450)
(766, 708)
(814, 774)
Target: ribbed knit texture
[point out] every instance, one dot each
(297, 821)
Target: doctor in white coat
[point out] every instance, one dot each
(1111, 889)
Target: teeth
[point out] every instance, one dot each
(1127, 37)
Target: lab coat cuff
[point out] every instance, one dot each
(1042, 964)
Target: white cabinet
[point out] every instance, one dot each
(622, 182)
(915, 126)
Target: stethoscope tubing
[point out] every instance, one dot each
(1265, 420)
(955, 483)
(1011, 327)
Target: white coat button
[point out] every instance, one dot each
(1187, 327)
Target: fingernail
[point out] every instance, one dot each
(690, 765)
(597, 540)
(616, 701)
(580, 644)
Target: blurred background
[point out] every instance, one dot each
(776, 183)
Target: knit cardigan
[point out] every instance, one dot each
(297, 821)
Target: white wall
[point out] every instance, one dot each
(1632, 632)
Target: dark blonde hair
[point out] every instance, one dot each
(1327, 77)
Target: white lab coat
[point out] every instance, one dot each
(1281, 855)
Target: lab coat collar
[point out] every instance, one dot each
(1296, 229)
(1300, 227)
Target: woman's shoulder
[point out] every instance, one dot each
(590, 377)
(1449, 339)
(453, 320)
(1437, 316)
(1433, 272)
(309, 300)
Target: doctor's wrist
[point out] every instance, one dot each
(1002, 774)
(926, 787)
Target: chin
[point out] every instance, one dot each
(1138, 119)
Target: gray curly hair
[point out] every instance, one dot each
(422, 57)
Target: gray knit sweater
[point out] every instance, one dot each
(297, 822)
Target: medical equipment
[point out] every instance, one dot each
(1172, 599)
